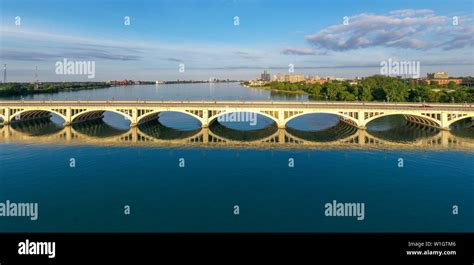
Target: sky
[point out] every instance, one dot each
(235, 39)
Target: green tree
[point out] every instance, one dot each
(452, 85)
(366, 94)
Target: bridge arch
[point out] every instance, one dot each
(346, 118)
(451, 122)
(90, 111)
(429, 121)
(227, 112)
(26, 111)
(153, 114)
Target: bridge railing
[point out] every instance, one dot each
(395, 105)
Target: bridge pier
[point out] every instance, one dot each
(361, 120)
(444, 121)
(6, 113)
(281, 120)
(205, 118)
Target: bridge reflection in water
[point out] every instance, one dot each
(342, 135)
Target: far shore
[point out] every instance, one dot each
(299, 92)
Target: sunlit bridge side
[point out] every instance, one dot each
(356, 114)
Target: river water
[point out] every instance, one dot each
(177, 177)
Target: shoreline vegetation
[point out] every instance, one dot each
(372, 88)
(268, 87)
(21, 89)
(378, 88)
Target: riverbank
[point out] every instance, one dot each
(298, 92)
(22, 89)
(376, 88)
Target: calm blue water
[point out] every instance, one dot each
(201, 196)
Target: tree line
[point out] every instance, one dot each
(381, 88)
(17, 89)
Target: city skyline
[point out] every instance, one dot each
(233, 39)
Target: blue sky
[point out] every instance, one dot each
(202, 36)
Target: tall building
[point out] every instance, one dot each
(4, 73)
(265, 76)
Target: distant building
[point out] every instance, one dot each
(445, 81)
(437, 75)
(258, 83)
(442, 78)
(316, 81)
(265, 76)
(335, 78)
(315, 77)
(296, 78)
(123, 82)
(289, 78)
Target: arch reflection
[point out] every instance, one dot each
(337, 132)
(156, 134)
(406, 132)
(37, 127)
(156, 129)
(237, 135)
(97, 128)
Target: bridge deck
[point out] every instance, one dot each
(242, 104)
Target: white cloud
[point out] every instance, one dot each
(298, 51)
(406, 29)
